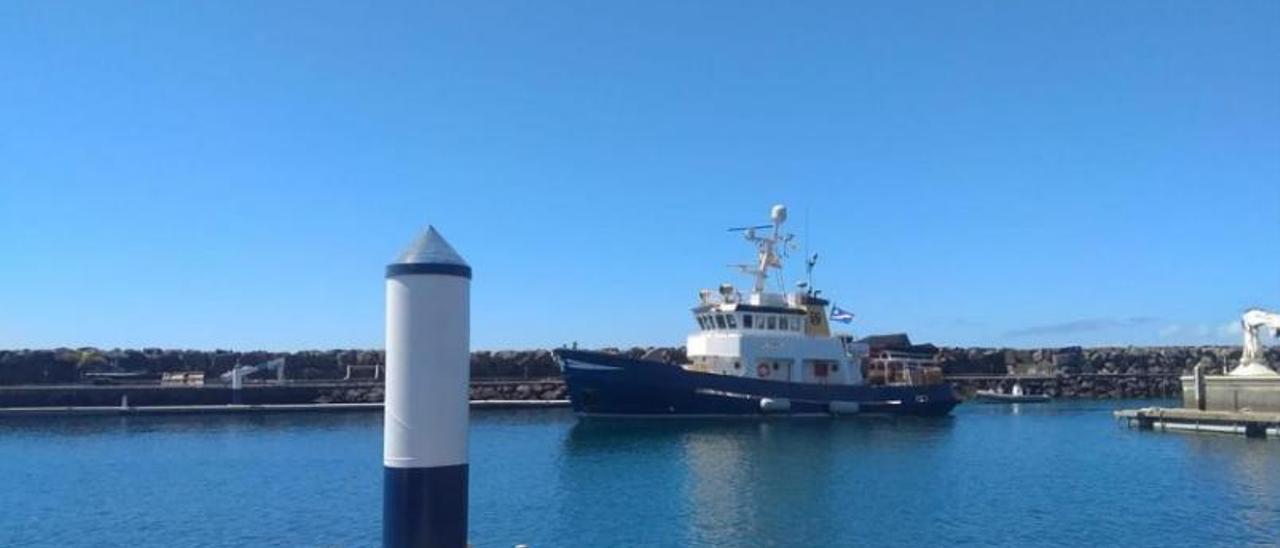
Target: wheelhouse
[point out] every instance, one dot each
(750, 320)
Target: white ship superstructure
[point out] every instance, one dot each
(771, 335)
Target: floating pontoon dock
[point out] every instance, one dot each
(1254, 425)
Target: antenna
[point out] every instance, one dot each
(808, 270)
(809, 260)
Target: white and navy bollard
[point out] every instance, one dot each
(424, 501)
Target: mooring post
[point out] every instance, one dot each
(425, 413)
(1198, 371)
(236, 383)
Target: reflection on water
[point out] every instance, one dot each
(733, 506)
(737, 482)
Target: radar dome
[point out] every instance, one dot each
(779, 213)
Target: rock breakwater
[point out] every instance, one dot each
(75, 365)
(1090, 386)
(1131, 360)
(1070, 372)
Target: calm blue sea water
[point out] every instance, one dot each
(1064, 474)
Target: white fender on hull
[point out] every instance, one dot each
(775, 405)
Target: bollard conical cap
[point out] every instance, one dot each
(430, 254)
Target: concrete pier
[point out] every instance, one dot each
(1229, 393)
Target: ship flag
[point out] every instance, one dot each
(840, 315)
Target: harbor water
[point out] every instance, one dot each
(1060, 474)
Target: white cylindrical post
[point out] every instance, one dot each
(427, 383)
(237, 383)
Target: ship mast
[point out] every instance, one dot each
(769, 249)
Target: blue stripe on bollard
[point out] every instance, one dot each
(425, 507)
(459, 270)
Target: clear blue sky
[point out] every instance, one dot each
(236, 174)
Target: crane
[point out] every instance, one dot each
(1253, 361)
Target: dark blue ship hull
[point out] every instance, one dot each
(603, 384)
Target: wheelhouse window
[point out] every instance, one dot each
(720, 321)
(732, 319)
(784, 323)
(746, 321)
(771, 322)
